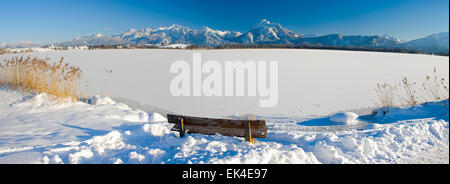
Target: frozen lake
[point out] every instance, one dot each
(310, 82)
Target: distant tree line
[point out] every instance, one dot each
(265, 46)
(305, 46)
(145, 46)
(92, 47)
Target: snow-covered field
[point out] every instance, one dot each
(307, 126)
(36, 129)
(310, 82)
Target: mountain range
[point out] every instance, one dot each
(264, 32)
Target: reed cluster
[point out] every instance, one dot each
(433, 88)
(41, 76)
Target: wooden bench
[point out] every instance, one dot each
(228, 127)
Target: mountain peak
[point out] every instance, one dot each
(264, 32)
(390, 37)
(206, 28)
(132, 30)
(439, 35)
(174, 26)
(264, 22)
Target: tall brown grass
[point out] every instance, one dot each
(386, 94)
(433, 88)
(41, 76)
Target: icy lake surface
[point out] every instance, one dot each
(311, 82)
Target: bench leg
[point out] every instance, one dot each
(181, 127)
(248, 132)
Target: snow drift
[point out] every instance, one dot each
(114, 133)
(345, 117)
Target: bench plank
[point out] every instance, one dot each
(227, 127)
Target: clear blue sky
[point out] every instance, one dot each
(44, 21)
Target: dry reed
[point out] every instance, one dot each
(37, 75)
(434, 88)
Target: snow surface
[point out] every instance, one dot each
(35, 128)
(324, 112)
(101, 100)
(311, 82)
(345, 117)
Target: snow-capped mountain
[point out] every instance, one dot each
(390, 37)
(178, 34)
(20, 44)
(438, 42)
(268, 32)
(340, 40)
(210, 37)
(264, 32)
(94, 39)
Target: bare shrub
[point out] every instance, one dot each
(386, 94)
(434, 88)
(410, 93)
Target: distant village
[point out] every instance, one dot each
(223, 46)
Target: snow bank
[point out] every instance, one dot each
(156, 129)
(345, 117)
(155, 143)
(80, 133)
(425, 110)
(156, 117)
(390, 143)
(40, 119)
(44, 100)
(132, 115)
(102, 100)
